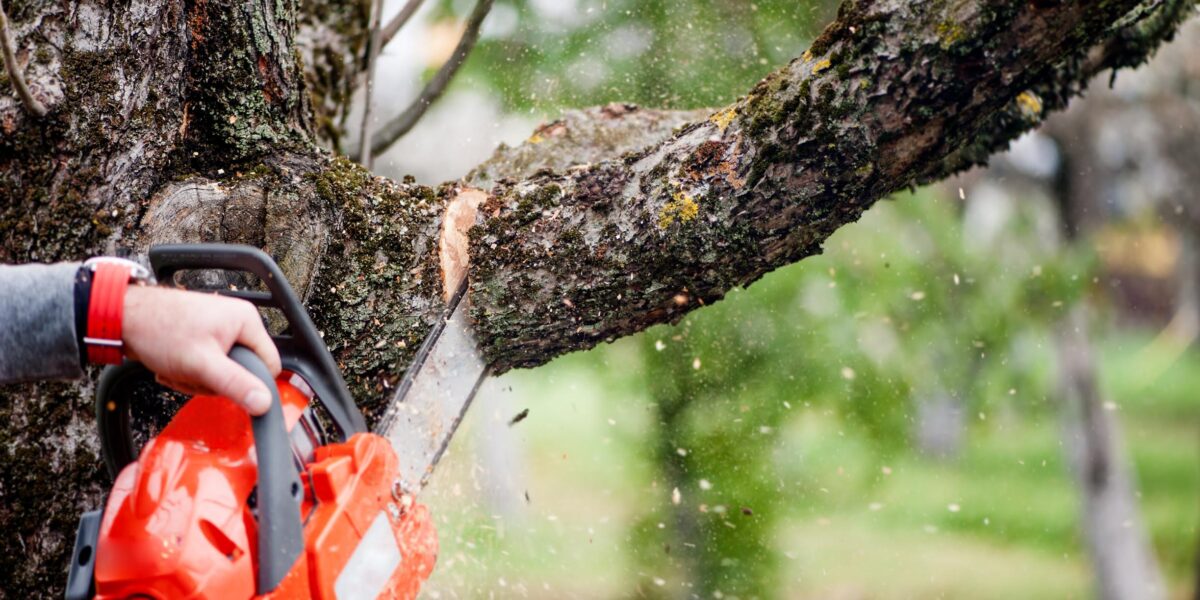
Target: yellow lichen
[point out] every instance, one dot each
(821, 66)
(724, 117)
(807, 56)
(681, 207)
(949, 33)
(1030, 104)
(536, 138)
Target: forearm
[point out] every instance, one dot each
(37, 323)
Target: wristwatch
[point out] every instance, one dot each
(110, 277)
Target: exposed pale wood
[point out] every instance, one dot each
(453, 245)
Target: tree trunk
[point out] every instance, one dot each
(1115, 537)
(941, 424)
(1121, 150)
(200, 120)
(1122, 559)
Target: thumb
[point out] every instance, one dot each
(227, 378)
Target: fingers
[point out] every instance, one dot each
(184, 336)
(224, 377)
(254, 336)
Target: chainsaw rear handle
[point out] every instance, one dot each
(113, 395)
(301, 348)
(278, 491)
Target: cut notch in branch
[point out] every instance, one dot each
(404, 123)
(14, 70)
(453, 244)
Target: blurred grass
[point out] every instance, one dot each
(998, 522)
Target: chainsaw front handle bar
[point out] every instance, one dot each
(301, 349)
(279, 493)
(280, 532)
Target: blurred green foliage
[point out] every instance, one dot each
(873, 326)
(552, 54)
(840, 499)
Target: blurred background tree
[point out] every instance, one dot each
(911, 414)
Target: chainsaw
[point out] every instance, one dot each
(301, 502)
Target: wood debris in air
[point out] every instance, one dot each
(520, 417)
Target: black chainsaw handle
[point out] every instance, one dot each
(301, 350)
(278, 492)
(280, 533)
(113, 395)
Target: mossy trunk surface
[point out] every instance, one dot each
(205, 120)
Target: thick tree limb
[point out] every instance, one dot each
(581, 138)
(888, 96)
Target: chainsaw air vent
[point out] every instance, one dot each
(220, 541)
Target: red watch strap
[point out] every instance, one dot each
(106, 309)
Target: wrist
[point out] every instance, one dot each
(103, 329)
(138, 301)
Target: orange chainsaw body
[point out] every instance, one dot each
(180, 521)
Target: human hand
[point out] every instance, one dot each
(185, 337)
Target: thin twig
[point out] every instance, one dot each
(402, 124)
(397, 23)
(373, 45)
(389, 31)
(14, 70)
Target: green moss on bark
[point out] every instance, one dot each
(41, 499)
(889, 95)
(375, 302)
(245, 84)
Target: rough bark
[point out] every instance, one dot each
(201, 119)
(563, 260)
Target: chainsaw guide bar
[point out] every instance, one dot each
(434, 395)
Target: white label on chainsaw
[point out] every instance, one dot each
(371, 565)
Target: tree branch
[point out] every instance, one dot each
(14, 70)
(398, 22)
(890, 95)
(402, 124)
(583, 137)
(374, 43)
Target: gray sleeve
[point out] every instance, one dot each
(37, 322)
